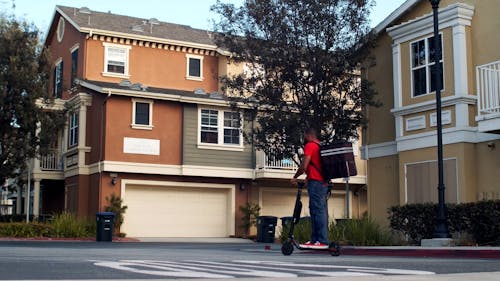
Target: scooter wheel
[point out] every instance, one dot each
(334, 249)
(287, 248)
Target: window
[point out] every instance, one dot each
(73, 129)
(422, 66)
(209, 126)
(74, 66)
(116, 60)
(194, 67)
(58, 79)
(219, 127)
(231, 128)
(142, 114)
(60, 29)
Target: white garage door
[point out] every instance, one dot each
(279, 202)
(166, 211)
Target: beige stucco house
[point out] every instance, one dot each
(400, 140)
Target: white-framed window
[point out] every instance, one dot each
(116, 60)
(58, 78)
(422, 66)
(194, 67)
(142, 114)
(220, 129)
(73, 129)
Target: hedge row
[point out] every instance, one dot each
(479, 219)
(61, 226)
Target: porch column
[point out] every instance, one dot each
(27, 194)
(36, 198)
(19, 209)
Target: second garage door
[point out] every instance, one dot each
(279, 202)
(169, 211)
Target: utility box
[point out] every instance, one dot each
(105, 222)
(266, 228)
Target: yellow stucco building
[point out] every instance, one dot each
(400, 139)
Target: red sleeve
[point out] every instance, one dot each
(309, 149)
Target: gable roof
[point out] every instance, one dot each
(95, 22)
(395, 15)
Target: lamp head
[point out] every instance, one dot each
(434, 3)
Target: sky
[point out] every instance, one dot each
(195, 13)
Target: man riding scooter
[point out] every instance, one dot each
(317, 189)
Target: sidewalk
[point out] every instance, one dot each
(487, 276)
(416, 251)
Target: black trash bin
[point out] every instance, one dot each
(285, 221)
(266, 227)
(104, 231)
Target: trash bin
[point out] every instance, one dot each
(104, 231)
(305, 219)
(285, 221)
(266, 227)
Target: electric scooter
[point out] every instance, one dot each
(291, 243)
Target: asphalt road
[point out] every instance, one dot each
(89, 260)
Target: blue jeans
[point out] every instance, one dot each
(317, 207)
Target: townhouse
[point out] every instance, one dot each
(400, 140)
(147, 122)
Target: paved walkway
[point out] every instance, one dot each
(197, 240)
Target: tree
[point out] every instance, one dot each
(302, 63)
(25, 128)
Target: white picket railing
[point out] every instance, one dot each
(52, 161)
(488, 88)
(269, 162)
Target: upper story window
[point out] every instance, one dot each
(58, 79)
(142, 114)
(74, 65)
(422, 66)
(220, 128)
(73, 129)
(116, 60)
(194, 70)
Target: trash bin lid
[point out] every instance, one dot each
(107, 214)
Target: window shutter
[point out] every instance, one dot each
(59, 90)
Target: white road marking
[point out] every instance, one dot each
(349, 268)
(161, 270)
(302, 271)
(220, 268)
(237, 268)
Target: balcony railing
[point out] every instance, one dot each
(52, 161)
(268, 162)
(488, 88)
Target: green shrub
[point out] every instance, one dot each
(301, 232)
(250, 213)
(67, 225)
(116, 206)
(24, 230)
(357, 232)
(479, 219)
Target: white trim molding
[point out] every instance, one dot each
(445, 116)
(450, 136)
(220, 172)
(453, 15)
(431, 105)
(415, 123)
(378, 150)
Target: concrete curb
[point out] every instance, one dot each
(453, 252)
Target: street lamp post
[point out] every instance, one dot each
(441, 229)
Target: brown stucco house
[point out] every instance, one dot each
(400, 140)
(147, 123)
